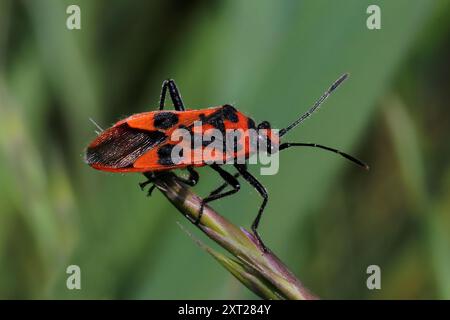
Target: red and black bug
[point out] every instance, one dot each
(141, 143)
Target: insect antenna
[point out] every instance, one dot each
(315, 145)
(316, 105)
(308, 113)
(97, 126)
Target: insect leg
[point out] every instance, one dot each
(174, 95)
(216, 194)
(192, 179)
(263, 192)
(162, 97)
(223, 186)
(150, 177)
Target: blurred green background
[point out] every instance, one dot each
(326, 219)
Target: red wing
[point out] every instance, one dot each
(128, 145)
(149, 120)
(142, 142)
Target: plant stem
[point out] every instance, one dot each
(262, 272)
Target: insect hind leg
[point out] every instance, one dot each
(223, 186)
(218, 194)
(193, 178)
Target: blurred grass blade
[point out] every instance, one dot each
(238, 269)
(406, 143)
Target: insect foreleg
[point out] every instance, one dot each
(263, 192)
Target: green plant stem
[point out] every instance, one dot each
(262, 272)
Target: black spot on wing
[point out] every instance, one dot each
(202, 118)
(216, 120)
(229, 113)
(165, 120)
(165, 155)
(251, 124)
(119, 147)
